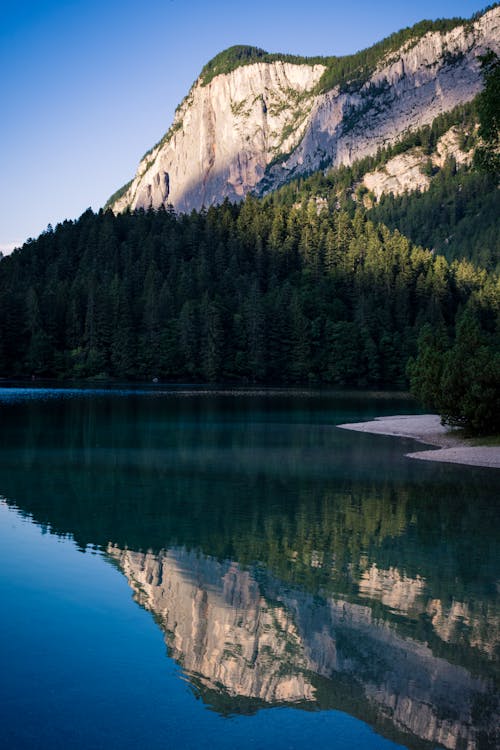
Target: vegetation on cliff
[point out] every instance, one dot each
(349, 72)
(456, 217)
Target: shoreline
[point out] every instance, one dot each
(450, 446)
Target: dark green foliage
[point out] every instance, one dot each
(426, 371)
(488, 100)
(488, 107)
(461, 379)
(255, 292)
(471, 378)
(117, 194)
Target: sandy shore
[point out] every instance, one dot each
(427, 428)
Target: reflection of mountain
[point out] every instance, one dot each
(459, 621)
(453, 622)
(219, 626)
(370, 580)
(242, 635)
(397, 592)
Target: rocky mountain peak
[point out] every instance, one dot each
(253, 120)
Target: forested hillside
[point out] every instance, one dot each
(457, 216)
(256, 292)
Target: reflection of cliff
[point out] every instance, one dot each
(219, 626)
(238, 637)
(396, 591)
(453, 622)
(459, 622)
(254, 478)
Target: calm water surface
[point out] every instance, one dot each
(192, 568)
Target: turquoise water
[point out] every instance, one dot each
(197, 568)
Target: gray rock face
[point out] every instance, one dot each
(224, 135)
(262, 124)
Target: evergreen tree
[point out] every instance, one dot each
(489, 114)
(265, 291)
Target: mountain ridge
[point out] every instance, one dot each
(263, 122)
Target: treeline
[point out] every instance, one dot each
(349, 72)
(256, 292)
(456, 217)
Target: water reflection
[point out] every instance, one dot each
(285, 561)
(240, 634)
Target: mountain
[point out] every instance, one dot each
(252, 121)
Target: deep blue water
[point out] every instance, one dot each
(196, 568)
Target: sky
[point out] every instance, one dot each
(87, 86)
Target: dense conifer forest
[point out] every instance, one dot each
(251, 293)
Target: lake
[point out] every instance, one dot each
(202, 568)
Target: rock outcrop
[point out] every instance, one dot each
(260, 125)
(408, 172)
(402, 173)
(224, 135)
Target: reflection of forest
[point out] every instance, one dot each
(415, 548)
(245, 640)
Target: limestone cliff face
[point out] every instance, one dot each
(407, 172)
(397, 591)
(224, 135)
(262, 124)
(408, 90)
(454, 621)
(238, 637)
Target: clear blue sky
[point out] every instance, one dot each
(87, 86)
